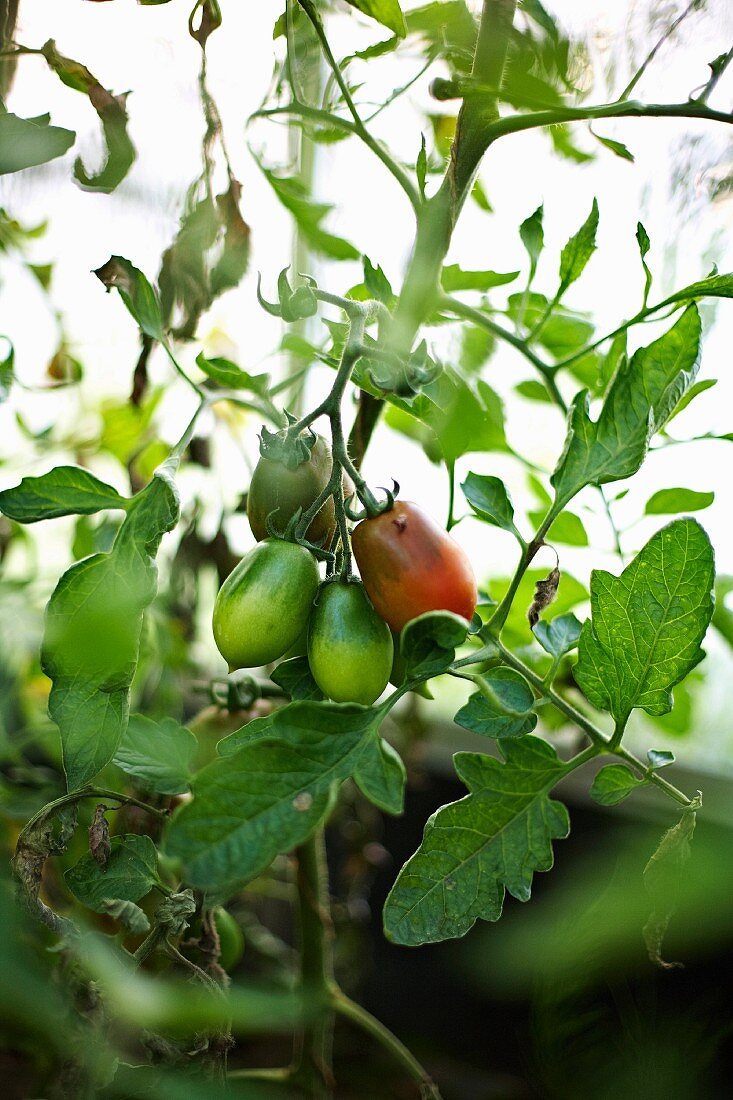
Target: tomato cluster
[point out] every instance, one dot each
(274, 599)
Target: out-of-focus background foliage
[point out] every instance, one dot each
(516, 1013)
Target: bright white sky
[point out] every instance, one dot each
(148, 50)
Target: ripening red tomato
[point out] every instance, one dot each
(410, 565)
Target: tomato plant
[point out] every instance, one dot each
(203, 741)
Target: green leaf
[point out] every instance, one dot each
(228, 374)
(130, 874)
(502, 708)
(92, 636)
(295, 677)
(136, 292)
(158, 753)
(493, 839)
(270, 795)
(465, 418)
(533, 390)
(578, 250)
(613, 784)
(699, 387)
(659, 758)
(377, 284)
(381, 776)
(668, 502)
(642, 239)
(26, 142)
(564, 332)
(490, 500)
(63, 491)
(127, 913)
(309, 214)
(454, 278)
(641, 398)
(428, 643)
(567, 528)
(386, 12)
(715, 286)
(617, 147)
(646, 625)
(560, 635)
(723, 615)
(532, 235)
(7, 371)
(421, 166)
(255, 730)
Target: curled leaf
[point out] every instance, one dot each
(544, 593)
(99, 843)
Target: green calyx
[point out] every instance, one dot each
(372, 506)
(294, 304)
(283, 447)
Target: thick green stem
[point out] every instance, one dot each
(314, 1046)
(438, 216)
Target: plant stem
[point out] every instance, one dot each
(477, 317)
(590, 729)
(89, 792)
(515, 124)
(358, 126)
(368, 1023)
(314, 1048)
(530, 551)
(438, 216)
(546, 371)
(655, 50)
(149, 944)
(451, 521)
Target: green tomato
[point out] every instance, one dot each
(231, 938)
(264, 604)
(349, 646)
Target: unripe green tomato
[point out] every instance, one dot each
(264, 604)
(349, 646)
(231, 938)
(276, 489)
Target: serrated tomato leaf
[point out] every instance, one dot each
(642, 396)
(472, 850)
(647, 624)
